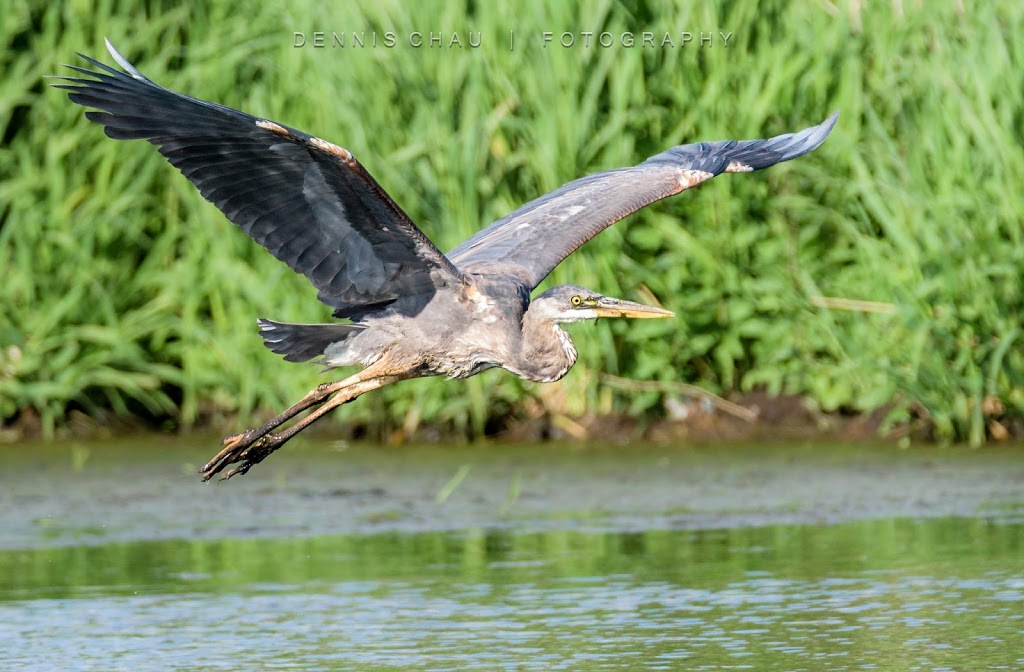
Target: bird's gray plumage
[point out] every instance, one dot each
(414, 311)
(528, 243)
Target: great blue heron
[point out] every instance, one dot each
(411, 311)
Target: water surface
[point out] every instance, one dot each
(769, 559)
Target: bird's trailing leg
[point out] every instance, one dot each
(254, 445)
(314, 397)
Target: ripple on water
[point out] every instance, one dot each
(392, 603)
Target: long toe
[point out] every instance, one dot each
(228, 440)
(235, 447)
(219, 461)
(258, 451)
(231, 452)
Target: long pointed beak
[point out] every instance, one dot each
(609, 307)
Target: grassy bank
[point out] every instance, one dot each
(125, 291)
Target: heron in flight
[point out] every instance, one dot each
(408, 309)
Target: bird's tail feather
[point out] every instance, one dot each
(302, 342)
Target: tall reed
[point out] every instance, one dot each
(124, 290)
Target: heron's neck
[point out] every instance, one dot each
(546, 352)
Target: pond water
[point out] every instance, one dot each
(514, 558)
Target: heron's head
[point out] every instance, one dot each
(563, 304)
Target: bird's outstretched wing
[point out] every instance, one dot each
(531, 241)
(310, 203)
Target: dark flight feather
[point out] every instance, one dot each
(310, 203)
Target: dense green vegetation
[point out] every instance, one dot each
(124, 290)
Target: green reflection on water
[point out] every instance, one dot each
(884, 594)
(709, 558)
(893, 594)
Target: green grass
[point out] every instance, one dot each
(124, 291)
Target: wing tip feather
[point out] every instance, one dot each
(122, 61)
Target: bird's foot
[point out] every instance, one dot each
(249, 448)
(254, 445)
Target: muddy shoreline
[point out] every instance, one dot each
(702, 418)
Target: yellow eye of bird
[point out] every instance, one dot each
(576, 300)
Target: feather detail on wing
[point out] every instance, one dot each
(530, 242)
(307, 201)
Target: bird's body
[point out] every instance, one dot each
(409, 310)
(483, 327)
(492, 323)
